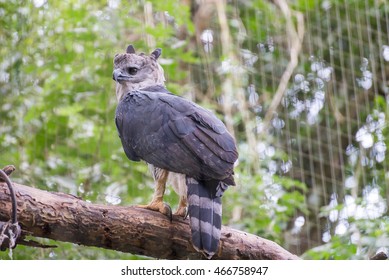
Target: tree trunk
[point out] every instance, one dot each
(130, 229)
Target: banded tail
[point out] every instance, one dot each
(205, 214)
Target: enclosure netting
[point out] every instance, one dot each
(310, 82)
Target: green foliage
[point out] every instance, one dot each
(58, 102)
(340, 248)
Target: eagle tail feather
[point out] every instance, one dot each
(205, 216)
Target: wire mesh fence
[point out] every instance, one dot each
(314, 75)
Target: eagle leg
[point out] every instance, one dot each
(157, 203)
(182, 207)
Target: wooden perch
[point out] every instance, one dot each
(130, 229)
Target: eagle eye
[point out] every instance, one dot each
(132, 70)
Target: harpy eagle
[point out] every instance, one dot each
(184, 145)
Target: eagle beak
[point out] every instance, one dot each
(119, 76)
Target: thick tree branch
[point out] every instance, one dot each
(68, 218)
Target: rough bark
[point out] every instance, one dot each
(130, 229)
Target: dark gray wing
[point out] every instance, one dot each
(175, 134)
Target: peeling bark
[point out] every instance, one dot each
(64, 217)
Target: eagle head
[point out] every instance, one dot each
(135, 71)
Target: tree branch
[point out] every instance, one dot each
(68, 218)
(295, 38)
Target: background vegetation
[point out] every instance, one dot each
(303, 85)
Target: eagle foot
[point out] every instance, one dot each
(182, 212)
(159, 206)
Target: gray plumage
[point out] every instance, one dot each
(173, 134)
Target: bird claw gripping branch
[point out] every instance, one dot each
(9, 231)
